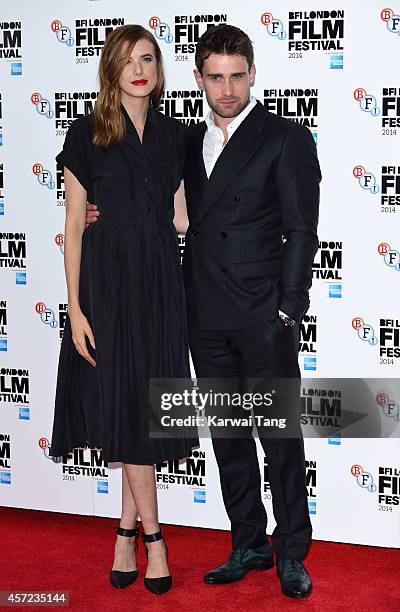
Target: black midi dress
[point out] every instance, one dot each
(130, 290)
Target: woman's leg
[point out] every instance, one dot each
(124, 554)
(143, 487)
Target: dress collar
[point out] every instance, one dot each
(149, 118)
(150, 122)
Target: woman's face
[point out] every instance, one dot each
(139, 76)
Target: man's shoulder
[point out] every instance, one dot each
(284, 126)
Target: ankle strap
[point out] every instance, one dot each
(153, 537)
(127, 532)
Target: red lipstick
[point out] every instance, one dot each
(139, 82)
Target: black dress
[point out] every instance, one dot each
(130, 290)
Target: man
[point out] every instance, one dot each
(250, 177)
(252, 191)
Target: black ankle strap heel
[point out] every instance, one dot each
(129, 533)
(160, 585)
(153, 537)
(118, 578)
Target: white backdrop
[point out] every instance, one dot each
(334, 67)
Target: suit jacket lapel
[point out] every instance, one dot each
(237, 151)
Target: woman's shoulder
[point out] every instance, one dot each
(170, 122)
(82, 126)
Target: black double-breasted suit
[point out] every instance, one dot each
(250, 245)
(264, 186)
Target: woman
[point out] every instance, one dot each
(125, 292)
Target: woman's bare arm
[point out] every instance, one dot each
(181, 220)
(76, 197)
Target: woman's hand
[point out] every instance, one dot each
(80, 329)
(92, 214)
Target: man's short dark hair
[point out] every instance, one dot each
(226, 39)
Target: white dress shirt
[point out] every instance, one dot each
(213, 142)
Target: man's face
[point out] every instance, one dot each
(226, 79)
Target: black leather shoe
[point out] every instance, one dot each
(295, 581)
(123, 579)
(160, 585)
(241, 561)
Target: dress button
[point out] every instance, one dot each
(148, 207)
(193, 233)
(236, 198)
(146, 180)
(223, 270)
(224, 235)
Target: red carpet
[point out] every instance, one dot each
(49, 551)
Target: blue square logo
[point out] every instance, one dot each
(337, 61)
(312, 507)
(5, 478)
(335, 291)
(102, 486)
(20, 278)
(199, 497)
(335, 438)
(3, 344)
(24, 413)
(2, 205)
(310, 363)
(16, 68)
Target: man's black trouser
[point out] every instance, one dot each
(266, 350)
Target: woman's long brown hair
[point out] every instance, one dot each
(110, 127)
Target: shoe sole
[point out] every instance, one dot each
(262, 566)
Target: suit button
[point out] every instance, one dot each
(223, 270)
(146, 180)
(224, 235)
(148, 207)
(236, 198)
(193, 233)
